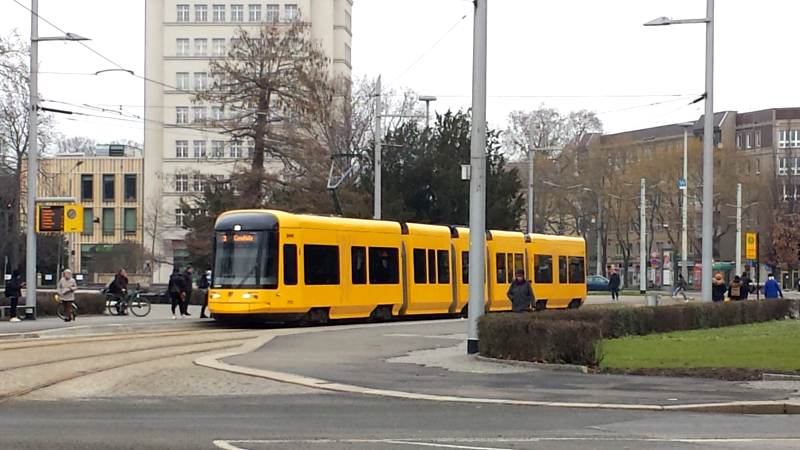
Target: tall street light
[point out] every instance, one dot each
(427, 99)
(33, 150)
(685, 209)
(708, 143)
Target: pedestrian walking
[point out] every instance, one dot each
(14, 292)
(613, 285)
(187, 289)
(66, 291)
(520, 293)
(175, 289)
(771, 288)
(746, 285)
(718, 288)
(680, 286)
(735, 290)
(203, 283)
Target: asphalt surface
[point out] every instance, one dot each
(328, 422)
(430, 358)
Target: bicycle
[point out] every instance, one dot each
(61, 308)
(133, 302)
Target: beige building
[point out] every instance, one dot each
(111, 191)
(180, 39)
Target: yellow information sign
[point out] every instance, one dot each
(73, 218)
(751, 246)
(59, 219)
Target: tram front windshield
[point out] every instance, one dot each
(246, 259)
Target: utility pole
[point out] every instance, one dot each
(477, 184)
(738, 264)
(531, 137)
(685, 209)
(708, 159)
(33, 162)
(599, 269)
(377, 132)
(642, 239)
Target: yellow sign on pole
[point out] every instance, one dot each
(73, 218)
(751, 246)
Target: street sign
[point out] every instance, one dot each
(681, 183)
(751, 246)
(73, 218)
(654, 262)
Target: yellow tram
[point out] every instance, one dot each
(282, 267)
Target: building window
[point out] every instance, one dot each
(88, 221)
(129, 220)
(216, 113)
(182, 81)
(217, 149)
(108, 221)
(794, 138)
(273, 13)
(758, 166)
(236, 149)
(183, 13)
(182, 115)
(219, 47)
(199, 149)
(201, 13)
(384, 265)
(180, 217)
(747, 141)
(255, 16)
(758, 139)
(237, 13)
(199, 114)
(358, 263)
(348, 20)
(182, 47)
(130, 187)
(199, 184)
(251, 148)
(200, 81)
(543, 269)
(108, 187)
(321, 264)
(181, 149)
(783, 138)
(219, 13)
(181, 183)
(200, 47)
(348, 53)
(783, 166)
(739, 141)
(748, 166)
(87, 188)
(291, 12)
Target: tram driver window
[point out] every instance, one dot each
(321, 264)
(384, 266)
(543, 269)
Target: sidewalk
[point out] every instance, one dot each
(429, 361)
(160, 317)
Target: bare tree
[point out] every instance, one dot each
(551, 129)
(75, 144)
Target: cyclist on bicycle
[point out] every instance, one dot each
(66, 291)
(119, 289)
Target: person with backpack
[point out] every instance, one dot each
(14, 292)
(520, 293)
(680, 287)
(771, 288)
(736, 289)
(176, 289)
(203, 283)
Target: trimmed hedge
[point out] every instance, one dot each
(575, 336)
(46, 306)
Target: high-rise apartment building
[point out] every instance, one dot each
(181, 37)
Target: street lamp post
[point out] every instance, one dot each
(685, 209)
(33, 150)
(708, 142)
(427, 99)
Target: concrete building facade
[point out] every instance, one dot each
(180, 154)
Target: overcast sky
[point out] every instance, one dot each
(568, 54)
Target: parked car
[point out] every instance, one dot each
(597, 283)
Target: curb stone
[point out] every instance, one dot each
(535, 365)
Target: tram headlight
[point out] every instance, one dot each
(246, 295)
(216, 295)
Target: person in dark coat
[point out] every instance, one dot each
(14, 292)
(736, 289)
(718, 288)
(203, 283)
(613, 285)
(119, 288)
(680, 288)
(520, 293)
(175, 288)
(745, 285)
(187, 289)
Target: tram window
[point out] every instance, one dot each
(290, 265)
(420, 268)
(384, 266)
(443, 257)
(359, 264)
(465, 267)
(510, 267)
(577, 270)
(432, 266)
(543, 266)
(519, 263)
(321, 264)
(501, 268)
(562, 269)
